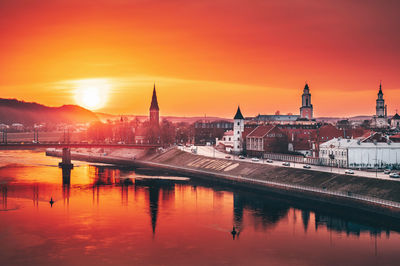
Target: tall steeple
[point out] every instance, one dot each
(238, 114)
(154, 102)
(380, 89)
(154, 109)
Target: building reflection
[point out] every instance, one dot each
(155, 188)
(159, 196)
(66, 184)
(266, 213)
(305, 217)
(348, 227)
(3, 190)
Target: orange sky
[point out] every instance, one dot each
(205, 56)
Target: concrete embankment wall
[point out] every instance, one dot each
(321, 186)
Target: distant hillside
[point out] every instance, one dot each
(14, 111)
(335, 119)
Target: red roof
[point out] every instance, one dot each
(228, 133)
(247, 131)
(261, 131)
(329, 132)
(358, 132)
(395, 136)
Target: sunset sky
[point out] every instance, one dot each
(206, 57)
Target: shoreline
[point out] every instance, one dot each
(165, 162)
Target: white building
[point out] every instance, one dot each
(4, 127)
(238, 129)
(395, 121)
(17, 127)
(353, 153)
(227, 141)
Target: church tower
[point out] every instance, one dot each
(238, 128)
(380, 104)
(306, 109)
(154, 109)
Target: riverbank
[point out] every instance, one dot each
(380, 196)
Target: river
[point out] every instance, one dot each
(105, 215)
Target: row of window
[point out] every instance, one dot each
(229, 139)
(218, 125)
(336, 152)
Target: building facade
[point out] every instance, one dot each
(265, 138)
(353, 153)
(208, 131)
(395, 121)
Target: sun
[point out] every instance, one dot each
(92, 93)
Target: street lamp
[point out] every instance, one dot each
(376, 158)
(332, 157)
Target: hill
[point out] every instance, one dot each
(335, 119)
(29, 113)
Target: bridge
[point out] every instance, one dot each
(45, 145)
(66, 148)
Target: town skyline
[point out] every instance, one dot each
(391, 109)
(257, 56)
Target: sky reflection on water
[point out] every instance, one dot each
(100, 218)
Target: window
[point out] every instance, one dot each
(238, 123)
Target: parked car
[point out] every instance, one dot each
(269, 161)
(255, 159)
(349, 172)
(227, 157)
(286, 164)
(241, 157)
(394, 175)
(386, 172)
(307, 166)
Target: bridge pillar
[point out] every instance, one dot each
(66, 159)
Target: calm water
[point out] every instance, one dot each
(98, 219)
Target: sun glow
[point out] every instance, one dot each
(92, 93)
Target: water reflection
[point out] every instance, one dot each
(348, 227)
(101, 206)
(264, 213)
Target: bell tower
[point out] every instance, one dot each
(154, 110)
(238, 128)
(306, 109)
(380, 104)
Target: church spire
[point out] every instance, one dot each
(238, 114)
(306, 87)
(154, 102)
(380, 88)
